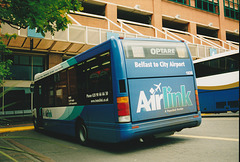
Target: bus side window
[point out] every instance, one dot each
(51, 96)
(47, 91)
(61, 97)
(94, 80)
(37, 94)
(81, 83)
(104, 80)
(72, 86)
(232, 63)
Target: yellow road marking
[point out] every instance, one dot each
(8, 156)
(3, 130)
(208, 137)
(205, 114)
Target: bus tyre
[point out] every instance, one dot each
(82, 134)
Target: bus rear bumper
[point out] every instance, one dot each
(157, 127)
(120, 132)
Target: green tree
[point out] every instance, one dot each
(42, 15)
(4, 63)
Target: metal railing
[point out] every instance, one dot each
(77, 33)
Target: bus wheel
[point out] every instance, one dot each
(82, 134)
(234, 111)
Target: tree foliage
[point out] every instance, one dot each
(42, 15)
(5, 63)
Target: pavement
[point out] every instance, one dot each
(15, 123)
(227, 114)
(21, 123)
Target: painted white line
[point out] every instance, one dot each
(207, 137)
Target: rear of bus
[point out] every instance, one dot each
(159, 93)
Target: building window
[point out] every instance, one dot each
(185, 2)
(231, 9)
(207, 5)
(135, 17)
(173, 24)
(232, 37)
(24, 67)
(16, 100)
(93, 8)
(207, 31)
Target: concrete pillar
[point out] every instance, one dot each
(111, 13)
(221, 31)
(54, 59)
(157, 16)
(192, 28)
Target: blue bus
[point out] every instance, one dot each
(218, 82)
(119, 90)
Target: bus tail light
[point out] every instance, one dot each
(123, 109)
(197, 100)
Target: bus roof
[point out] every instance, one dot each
(72, 61)
(216, 56)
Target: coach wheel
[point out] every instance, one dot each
(82, 134)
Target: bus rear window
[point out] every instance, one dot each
(154, 50)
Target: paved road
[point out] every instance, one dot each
(217, 139)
